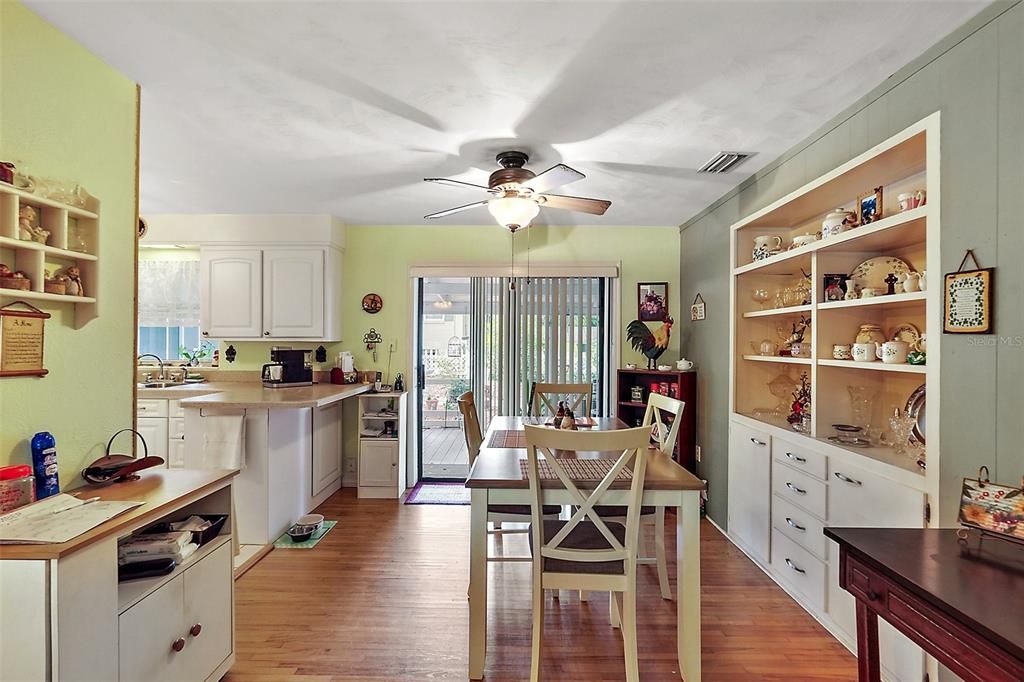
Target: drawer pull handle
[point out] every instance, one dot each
(794, 566)
(195, 629)
(178, 644)
(795, 524)
(873, 596)
(846, 479)
(796, 458)
(799, 491)
(758, 442)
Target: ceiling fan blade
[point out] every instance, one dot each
(553, 177)
(457, 209)
(456, 183)
(581, 204)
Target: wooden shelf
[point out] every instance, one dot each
(11, 243)
(43, 296)
(876, 366)
(773, 312)
(913, 298)
(132, 592)
(778, 358)
(888, 234)
(38, 201)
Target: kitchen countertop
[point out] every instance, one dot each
(241, 395)
(183, 391)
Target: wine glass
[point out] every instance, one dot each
(760, 295)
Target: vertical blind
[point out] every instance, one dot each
(545, 329)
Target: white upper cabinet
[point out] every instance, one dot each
(271, 292)
(293, 293)
(231, 286)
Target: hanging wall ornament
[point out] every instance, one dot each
(230, 354)
(372, 303)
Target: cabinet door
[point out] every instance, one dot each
(326, 447)
(230, 293)
(154, 431)
(175, 443)
(293, 293)
(146, 635)
(750, 489)
(378, 464)
(208, 617)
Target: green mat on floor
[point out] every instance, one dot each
(285, 542)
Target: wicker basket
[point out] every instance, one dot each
(54, 287)
(20, 283)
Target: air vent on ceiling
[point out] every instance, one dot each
(723, 162)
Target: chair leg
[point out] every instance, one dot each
(584, 596)
(615, 609)
(629, 635)
(659, 553)
(538, 630)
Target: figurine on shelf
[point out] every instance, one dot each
(799, 332)
(800, 409)
(26, 222)
(73, 286)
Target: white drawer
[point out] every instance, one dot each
(858, 498)
(174, 408)
(796, 567)
(800, 489)
(799, 526)
(176, 429)
(151, 408)
(800, 457)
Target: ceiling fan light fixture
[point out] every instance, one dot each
(513, 213)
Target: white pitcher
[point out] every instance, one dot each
(766, 245)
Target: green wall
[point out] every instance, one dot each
(378, 258)
(66, 114)
(975, 77)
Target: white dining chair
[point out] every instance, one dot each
(497, 514)
(585, 552)
(545, 398)
(666, 434)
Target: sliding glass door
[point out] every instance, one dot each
(497, 336)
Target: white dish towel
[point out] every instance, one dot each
(224, 440)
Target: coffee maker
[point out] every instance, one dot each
(287, 368)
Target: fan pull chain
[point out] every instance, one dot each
(512, 278)
(529, 240)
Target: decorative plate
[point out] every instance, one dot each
(916, 408)
(872, 272)
(372, 303)
(906, 332)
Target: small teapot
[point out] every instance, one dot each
(683, 364)
(837, 222)
(911, 282)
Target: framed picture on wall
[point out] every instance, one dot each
(652, 301)
(967, 300)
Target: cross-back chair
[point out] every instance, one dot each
(585, 552)
(546, 397)
(496, 513)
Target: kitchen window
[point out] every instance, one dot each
(168, 307)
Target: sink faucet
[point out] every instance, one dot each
(163, 376)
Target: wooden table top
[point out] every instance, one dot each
(984, 590)
(161, 490)
(499, 467)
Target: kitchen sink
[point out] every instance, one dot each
(160, 384)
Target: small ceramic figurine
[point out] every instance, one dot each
(568, 422)
(561, 411)
(26, 222)
(74, 282)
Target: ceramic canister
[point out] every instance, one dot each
(893, 352)
(870, 332)
(865, 352)
(837, 222)
(842, 351)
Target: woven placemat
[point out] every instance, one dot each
(578, 469)
(508, 439)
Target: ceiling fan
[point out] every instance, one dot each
(517, 194)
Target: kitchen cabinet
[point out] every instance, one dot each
(271, 292)
(176, 443)
(146, 633)
(162, 425)
(382, 445)
(327, 443)
(378, 464)
(154, 432)
(293, 293)
(230, 293)
(750, 489)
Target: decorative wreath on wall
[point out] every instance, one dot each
(372, 303)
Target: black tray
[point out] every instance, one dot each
(200, 537)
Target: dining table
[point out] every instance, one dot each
(497, 477)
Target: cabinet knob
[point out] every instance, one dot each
(178, 644)
(195, 629)
(206, 333)
(266, 333)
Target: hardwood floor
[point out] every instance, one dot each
(383, 598)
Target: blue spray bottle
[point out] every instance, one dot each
(44, 462)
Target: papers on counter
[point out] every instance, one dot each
(39, 524)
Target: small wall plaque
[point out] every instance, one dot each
(698, 311)
(21, 341)
(968, 299)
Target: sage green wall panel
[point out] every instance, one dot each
(1009, 302)
(976, 79)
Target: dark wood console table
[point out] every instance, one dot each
(964, 608)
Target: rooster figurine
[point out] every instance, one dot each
(651, 344)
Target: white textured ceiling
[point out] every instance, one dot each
(343, 107)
